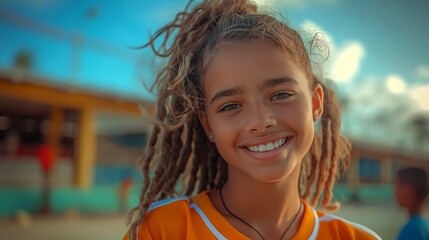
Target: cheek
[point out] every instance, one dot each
(221, 128)
(401, 191)
(303, 120)
(397, 192)
(307, 134)
(301, 117)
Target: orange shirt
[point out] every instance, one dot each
(195, 218)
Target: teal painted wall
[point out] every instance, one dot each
(373, 192)
(100, 199)
(105, 199)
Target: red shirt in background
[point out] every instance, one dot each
(45, 156)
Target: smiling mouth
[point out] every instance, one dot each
(269, 146)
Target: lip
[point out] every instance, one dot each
(264, 140)
(267, 155)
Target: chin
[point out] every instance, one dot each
(273, 177)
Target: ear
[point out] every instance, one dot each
(317, 102)
(205, 123)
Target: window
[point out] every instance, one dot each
(369, 170)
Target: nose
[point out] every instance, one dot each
(260, 119)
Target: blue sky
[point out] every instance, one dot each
(393, 33)
(379, 49)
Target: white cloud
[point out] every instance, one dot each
(395, 84)
(421, 96)
(423, 71)
(309, 29)
(263, 2)
(388, 95)
(347, 61)
(346, 58)
(375, 113)
(371, 97)
(323, 48)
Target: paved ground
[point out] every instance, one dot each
(385, 219)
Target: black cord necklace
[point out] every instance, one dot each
(254, 229)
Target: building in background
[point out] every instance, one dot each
(95, 139)
(73, 93)
(372, 171)
(95, 134)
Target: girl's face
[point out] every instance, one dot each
(259, 110)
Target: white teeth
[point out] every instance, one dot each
(268, 146)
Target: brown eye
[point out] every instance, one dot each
(281, 96)
(229, 107)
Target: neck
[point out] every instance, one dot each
(268, 207)
(266, 201)
(415, 209)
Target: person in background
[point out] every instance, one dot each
(411, 190)
(46, 161)
(124, 193)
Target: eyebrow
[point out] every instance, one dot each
(277, 81)
(267, 84)
(226, 93)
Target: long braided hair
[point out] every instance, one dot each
(179, 159)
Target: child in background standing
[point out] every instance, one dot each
(235, 124)
(411, 190)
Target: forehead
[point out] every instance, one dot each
(246, 63)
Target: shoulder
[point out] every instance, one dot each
(345, 229)
(416, 223)
(418, 220)
(171, 209)
(160, 214)
(169, 204)
(415, 228)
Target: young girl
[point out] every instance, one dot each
(236, 113)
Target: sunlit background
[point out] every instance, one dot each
(72, 82)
